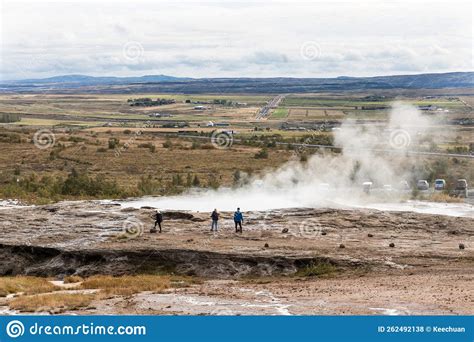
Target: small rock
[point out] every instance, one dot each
(285, 230)
(461, 246)
(267, 245)
(370, 235)
(391, 244)
(342, 246)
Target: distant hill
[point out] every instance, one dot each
(170, 84)
(92, 80)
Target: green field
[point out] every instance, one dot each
(279, 113)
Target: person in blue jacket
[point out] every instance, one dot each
(238, 219)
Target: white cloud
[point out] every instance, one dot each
(255, 39)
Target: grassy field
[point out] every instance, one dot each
(144, 161)
(279, 113)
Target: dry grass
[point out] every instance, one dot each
(317, 270)
(72, 279)
(26, 285)
(127, 285)
(442, 197)
(131, 165)
(34, 298)
(54, 301)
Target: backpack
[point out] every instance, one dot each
(159, 217)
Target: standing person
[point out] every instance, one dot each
(238, 219)
(215, 218)
(158, 220)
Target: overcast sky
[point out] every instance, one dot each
(234, 38)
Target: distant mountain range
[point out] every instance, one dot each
(170, 84)
(92, 80)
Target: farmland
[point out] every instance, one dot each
(150, 150)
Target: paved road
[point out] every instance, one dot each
(265, 111)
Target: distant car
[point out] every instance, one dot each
(422, 184)
(439, 184)
(461, 188)
(403, 185)
(366, 186)
(387, 187)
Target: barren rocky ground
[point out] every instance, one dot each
(381, 262)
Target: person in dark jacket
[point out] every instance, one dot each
(158, 220)
(215, 218)
(238, 219)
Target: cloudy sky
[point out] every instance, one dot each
(234, 38)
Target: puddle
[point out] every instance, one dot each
(389, 312)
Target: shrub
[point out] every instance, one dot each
(196, 181)
(150, 146)
(113, 143)
(262, 154)
(316, 269)
(148, 186)
(213, 181)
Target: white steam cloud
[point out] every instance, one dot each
(326, 179)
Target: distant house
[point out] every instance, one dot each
(429, 107)
(160, 115)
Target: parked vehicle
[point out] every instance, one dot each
(461, 188)
(423, 184)
(387, 187)
(439, 184)
(366, 186)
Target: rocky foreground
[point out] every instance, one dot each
(380, 262)
(85, 238)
